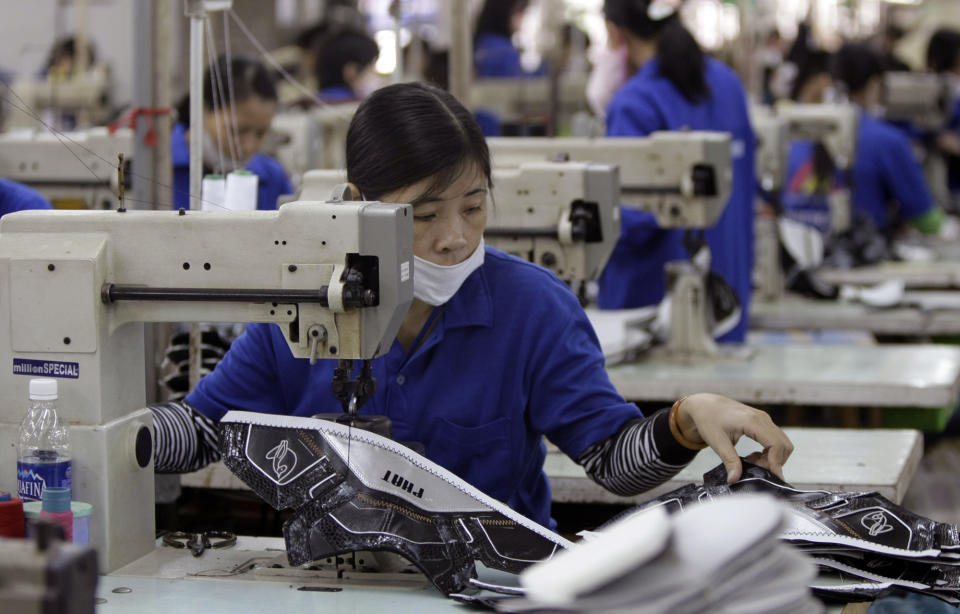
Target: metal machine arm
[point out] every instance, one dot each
(76, 286)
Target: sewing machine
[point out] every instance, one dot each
(49, 164)
(773, 148)
(564, 216)
(518, 101)
(315, 138)
(684, 179)
(82, 95)
(834, 125)
(923, 101)
(77, 286)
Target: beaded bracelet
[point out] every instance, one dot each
(675, 428)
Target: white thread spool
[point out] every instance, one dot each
(213, 192)
(241, 192)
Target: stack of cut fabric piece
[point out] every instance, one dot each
(723, 556)
(862, 543)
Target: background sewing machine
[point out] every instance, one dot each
(922, 102)
(49, 164)
(833, 125)
(83, 97)
(306, 139)
(682, 178)
(529, 105)
(76, 287)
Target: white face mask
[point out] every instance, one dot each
(435, 284)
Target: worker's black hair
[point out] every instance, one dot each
(308, 38)
(248, 78)
(342, 46)
(943, 50)
(681, 59)
(494, 17)
(855, 64)
(404, 133)
(813, 63)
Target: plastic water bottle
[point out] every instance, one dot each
(43, 447)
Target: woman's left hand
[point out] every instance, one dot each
(719, 422)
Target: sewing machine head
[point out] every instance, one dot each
(682, 178)
(923, 99)
(76, 286)
(835, 125)
(773, 144)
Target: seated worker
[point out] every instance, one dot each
(677, 88)
(493, 52)
(345, 60)
(229, 146)
(888, 183)
(472, 376)
(494, 55)
(18, 197)
(811, 171)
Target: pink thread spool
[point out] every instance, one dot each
(55, 507)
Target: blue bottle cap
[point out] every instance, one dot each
(5, 496)
(55, 499)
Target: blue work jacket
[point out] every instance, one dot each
(887, 179)
(273, 181)
(648, 102)
(512, 358)
(18, 197)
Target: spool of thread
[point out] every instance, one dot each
(241, 192)
(213, 191)
(82, 513)
(55, 506)
(11, 516)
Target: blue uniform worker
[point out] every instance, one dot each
(544, 359)
(18, 197)
(493, 354)
(888, 185)
(253, 102)
(635, 276)
(272, 184)
(885, 172)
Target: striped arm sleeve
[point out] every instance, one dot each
(641, 455)
(184, 439)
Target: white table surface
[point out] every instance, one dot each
(928, 312)
(926, 376)
(933, 274)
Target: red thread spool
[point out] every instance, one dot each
(12, 522)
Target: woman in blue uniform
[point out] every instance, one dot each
(345, 61)
(676, 88)
(255, 101)
(494, 55)
(888, 183)
(474, 377)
